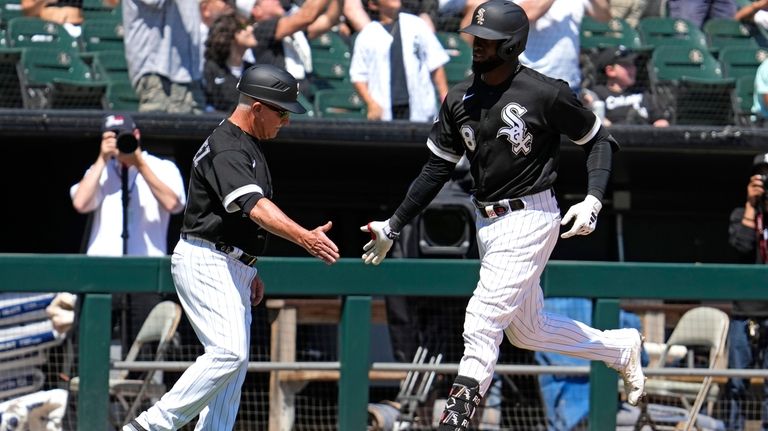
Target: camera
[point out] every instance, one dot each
(126, 142)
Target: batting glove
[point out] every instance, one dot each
(585, 215)
(382, 237)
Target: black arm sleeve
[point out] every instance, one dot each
(741, 237)
(424, 188)
(599, 158)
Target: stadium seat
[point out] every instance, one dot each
(339, 104)
(459, 67)
(738, 61)
(9, 9)
(616, 32)
(111, 66)
(10, 89)
(690, 81)
(96, 9)
(34, 32)
(723, 32)
(743, 98)
(328, 73)
(102, 35)
(661, 31)
(121, 96)
(53, 79)
(307, 104)
(330, 44)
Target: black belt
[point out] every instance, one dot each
(498, 208)
(227, 249)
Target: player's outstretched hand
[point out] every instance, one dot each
(382, 237)
(320, 246)
(584, 215)
(257, 290)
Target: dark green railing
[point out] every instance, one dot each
(98, 278)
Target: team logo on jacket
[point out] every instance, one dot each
(517, 132)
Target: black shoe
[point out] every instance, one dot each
(133, 426)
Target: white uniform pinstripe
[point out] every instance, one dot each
(214, 290)
(514, 249)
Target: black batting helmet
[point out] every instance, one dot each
(272, 85)
(504, 21)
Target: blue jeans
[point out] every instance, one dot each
(741, 354)
(699, 11)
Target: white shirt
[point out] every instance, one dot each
(147, 220)
(553, 42)
(422, 54)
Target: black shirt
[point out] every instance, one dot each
(268, 50)
(631, 106)
(220, 86)
(744, 240)
(229, 175)
(510, 132)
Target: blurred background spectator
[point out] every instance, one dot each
(282, 36)
(630, 11)
(68, 13)
(624, 102)
(553, 40)
(210, 10)
(760, 98)
(395, 61)
(162, 48)
(228, 40)
(699, 11)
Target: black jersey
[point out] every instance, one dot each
(229, 175)
(510, 132)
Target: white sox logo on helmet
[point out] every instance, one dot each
(517, 133)
(480, 16)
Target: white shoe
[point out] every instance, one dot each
(632, 374)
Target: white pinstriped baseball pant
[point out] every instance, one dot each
(514, 249)
(214, 291)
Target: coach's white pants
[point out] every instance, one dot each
(214, 291)
(514, 249)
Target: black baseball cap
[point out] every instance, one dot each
(760, 164)
(615, 55)
(118, 123)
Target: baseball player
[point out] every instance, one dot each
(508, 120)
(229, 209)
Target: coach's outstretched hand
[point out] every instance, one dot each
(382, 237)
(585, 214)
(319, 245)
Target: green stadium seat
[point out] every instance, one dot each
(102, 35)
(743, 98)
(9, 9)
(690, 81)
(111, 66)
(10, 88)
(331, 41)
(723, 32)
(662, 31)
(738, 62)
(96, 9)
(345, 104)
(616, 32)
(35, 33)
(328, 73)
(307, 104)
(459, 67)
(121, 96)
(52, 79)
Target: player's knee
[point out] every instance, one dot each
(231, 360)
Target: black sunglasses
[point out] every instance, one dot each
(282, 113)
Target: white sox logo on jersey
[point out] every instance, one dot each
(517, 132)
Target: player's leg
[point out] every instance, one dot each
(509, 247)
(739, 356)
(215, 294)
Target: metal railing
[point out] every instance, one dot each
(97, 278)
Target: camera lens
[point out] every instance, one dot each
(127, 143)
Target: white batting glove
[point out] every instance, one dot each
(382, 237)
(585, 215)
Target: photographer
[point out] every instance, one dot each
(747, 340)
(155, 190)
